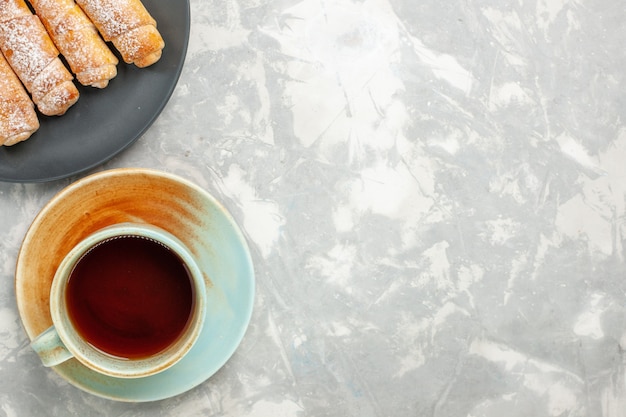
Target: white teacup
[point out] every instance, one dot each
(128, 301)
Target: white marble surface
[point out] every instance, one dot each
(435, 196)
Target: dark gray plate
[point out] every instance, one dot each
(104, 122)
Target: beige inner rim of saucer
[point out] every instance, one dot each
(88, 205)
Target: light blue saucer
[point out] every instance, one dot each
(182, 208)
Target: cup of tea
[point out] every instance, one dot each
(128, 301)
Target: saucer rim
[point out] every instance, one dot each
(243, 253)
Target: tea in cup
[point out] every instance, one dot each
(128, 301)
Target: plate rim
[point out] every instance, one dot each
(39, 179)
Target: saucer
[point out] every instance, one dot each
(166, 201)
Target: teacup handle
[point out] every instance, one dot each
(50, 348)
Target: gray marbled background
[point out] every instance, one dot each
(434, 194)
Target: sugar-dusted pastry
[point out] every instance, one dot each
(31, 53)
(18, 120)
(88, 56)
(129, 26)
